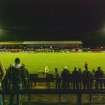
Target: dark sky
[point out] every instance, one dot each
(53, 20)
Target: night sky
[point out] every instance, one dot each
(53, 20)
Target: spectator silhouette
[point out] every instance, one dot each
(86, 78)
(15, 79)
(80, 78)
(75, 78)
(65, 75)
(58, 78)
(99, 75)
(86, 65)
(93, 78)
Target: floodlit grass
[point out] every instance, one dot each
(35, 62)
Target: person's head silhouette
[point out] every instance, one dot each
(17, 61)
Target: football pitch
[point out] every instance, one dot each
(36, 62)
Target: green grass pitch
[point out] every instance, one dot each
(35, 62)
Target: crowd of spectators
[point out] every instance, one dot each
(17, 77)
(78, 79)
(75, 79)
